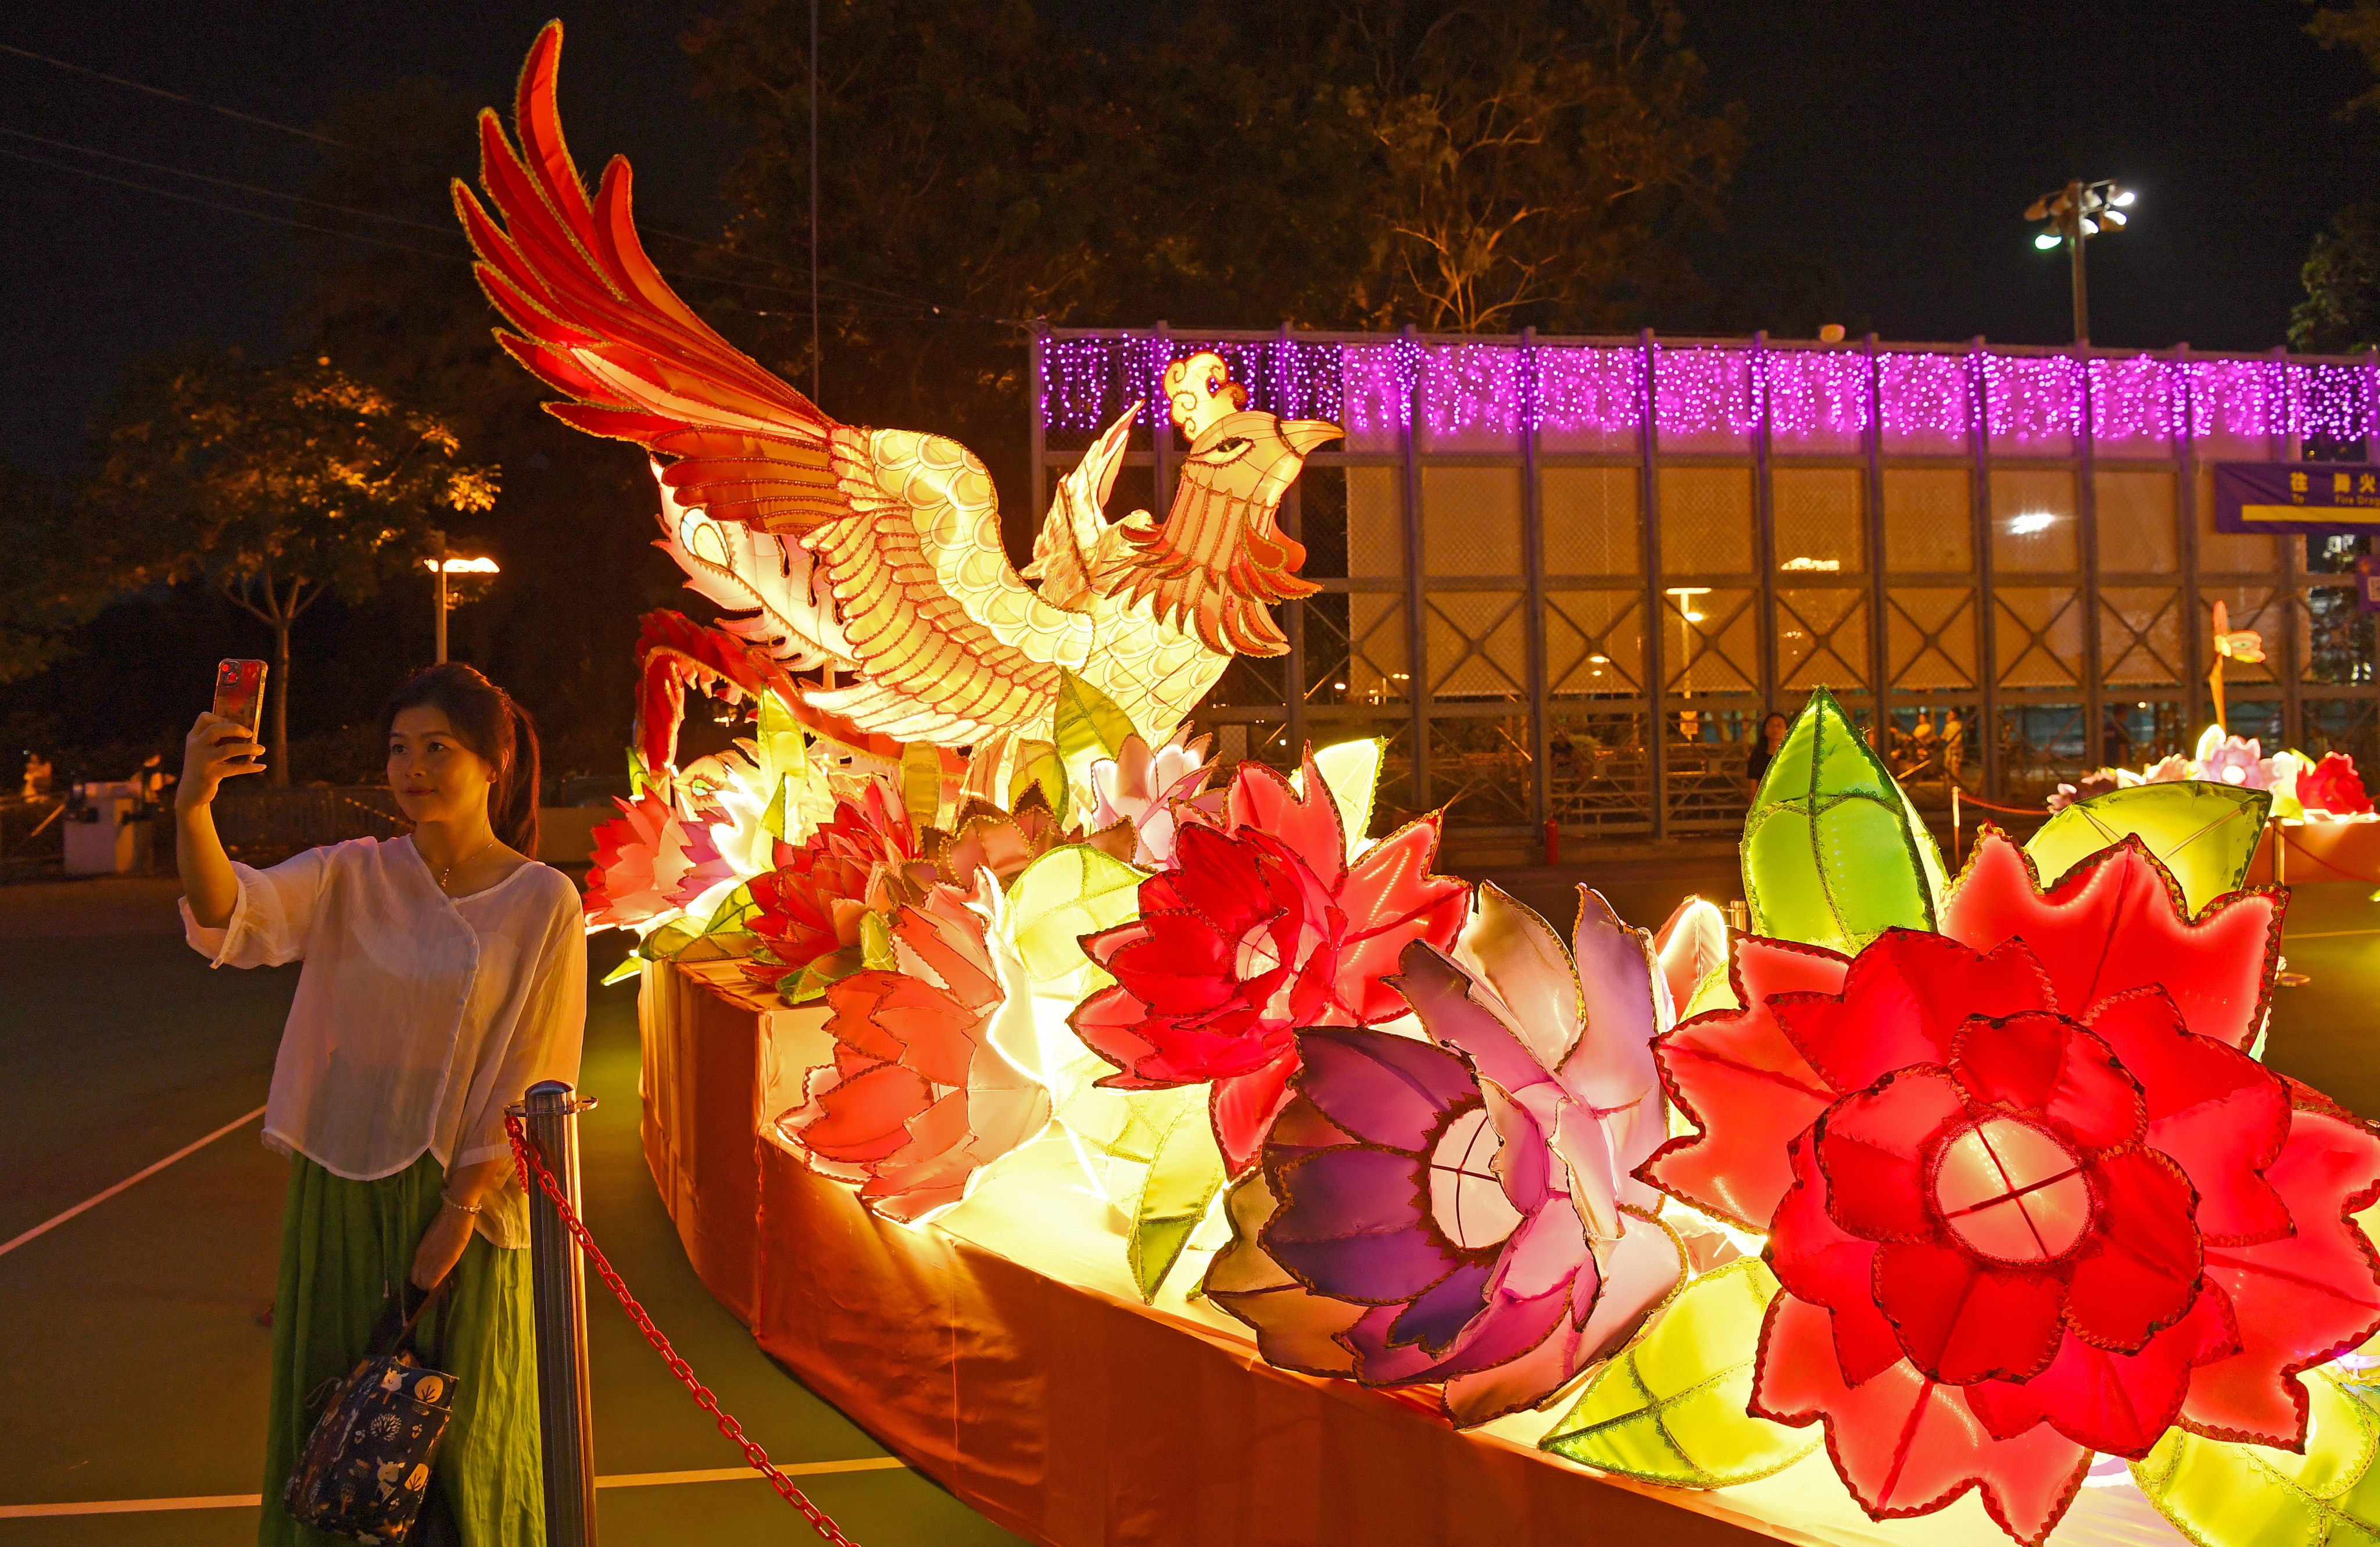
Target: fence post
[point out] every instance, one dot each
(566, 1418)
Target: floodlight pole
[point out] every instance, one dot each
(2074, 237)
(442, 601)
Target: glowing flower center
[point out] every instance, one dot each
(1466, 1199)
(2011, 1192)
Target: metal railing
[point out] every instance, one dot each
(543, 1130)
(270, 821)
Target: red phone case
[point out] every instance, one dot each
(239, 692)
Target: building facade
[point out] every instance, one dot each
(1566, 579)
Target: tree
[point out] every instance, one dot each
(966, 185)
(1460, 163)
(559, 628)
(2342, 311)
(2341, 276)
(277, 485)
(46, 591)
(1535, 157)
(2355, 25)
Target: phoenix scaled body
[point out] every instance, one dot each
(876, 553)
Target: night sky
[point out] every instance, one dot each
(1896, 144)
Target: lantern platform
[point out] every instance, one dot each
(2319, 852)
(1005, 1352)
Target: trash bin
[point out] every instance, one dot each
(108, 832)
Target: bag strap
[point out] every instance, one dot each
(394, 1335)
(436, 1293)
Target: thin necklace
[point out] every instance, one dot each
(472, 855)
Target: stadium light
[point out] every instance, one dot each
(2071, 216)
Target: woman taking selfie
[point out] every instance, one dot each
(445, 974)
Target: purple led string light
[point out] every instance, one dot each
(1818, 398)
(1702, 398)
(1589, 396)
(1925, 404)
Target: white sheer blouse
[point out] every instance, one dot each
(419, 1017)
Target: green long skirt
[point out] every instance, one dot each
(346, 1248)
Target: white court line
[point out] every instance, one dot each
(94, 1201)
(619, 1479)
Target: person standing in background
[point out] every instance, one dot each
(1764, 752)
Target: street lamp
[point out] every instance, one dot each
(448, 599)
(2072, 215)
(1689, 723)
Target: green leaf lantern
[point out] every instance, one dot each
(1088, 724)
(1671, 1409)
(1352, 772)
(1833, 852)
(2223, 1494)
(1184, 1176)
(2203, 832)
(1068, 892)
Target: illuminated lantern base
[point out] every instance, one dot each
(1002, 1350)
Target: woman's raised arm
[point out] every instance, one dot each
(216, 749)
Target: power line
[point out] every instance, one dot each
(916, 311)
(228, 209)
(228, 183)
(916, 307)
(177, 96)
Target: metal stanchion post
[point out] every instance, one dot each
(564, 1417)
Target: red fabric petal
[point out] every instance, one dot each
(1260, 800)
(853, 1001)
(937, 1034)
(2006, 1408)
(2139, 1271)
(1178, 965)
(2047, 1065)
(1389, 900)
(1228, 882)
(2302, 1299)
(1746, 1087)
(865, 1117)
(2121, 1403)
(2220, 1114)
(1822, 1263)
(1960, 1321)
(1245, 1106)
(1873, 1147)
(1903, 1002)
(1108, 1023)
(1907, 1445)
(2115, 922)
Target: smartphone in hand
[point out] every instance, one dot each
(239, 692)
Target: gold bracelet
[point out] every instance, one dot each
(448, 1198)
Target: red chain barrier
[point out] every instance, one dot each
(2011, 810)
(525, 1161)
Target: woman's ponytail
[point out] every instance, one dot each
(491, 723)
(512, 805)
